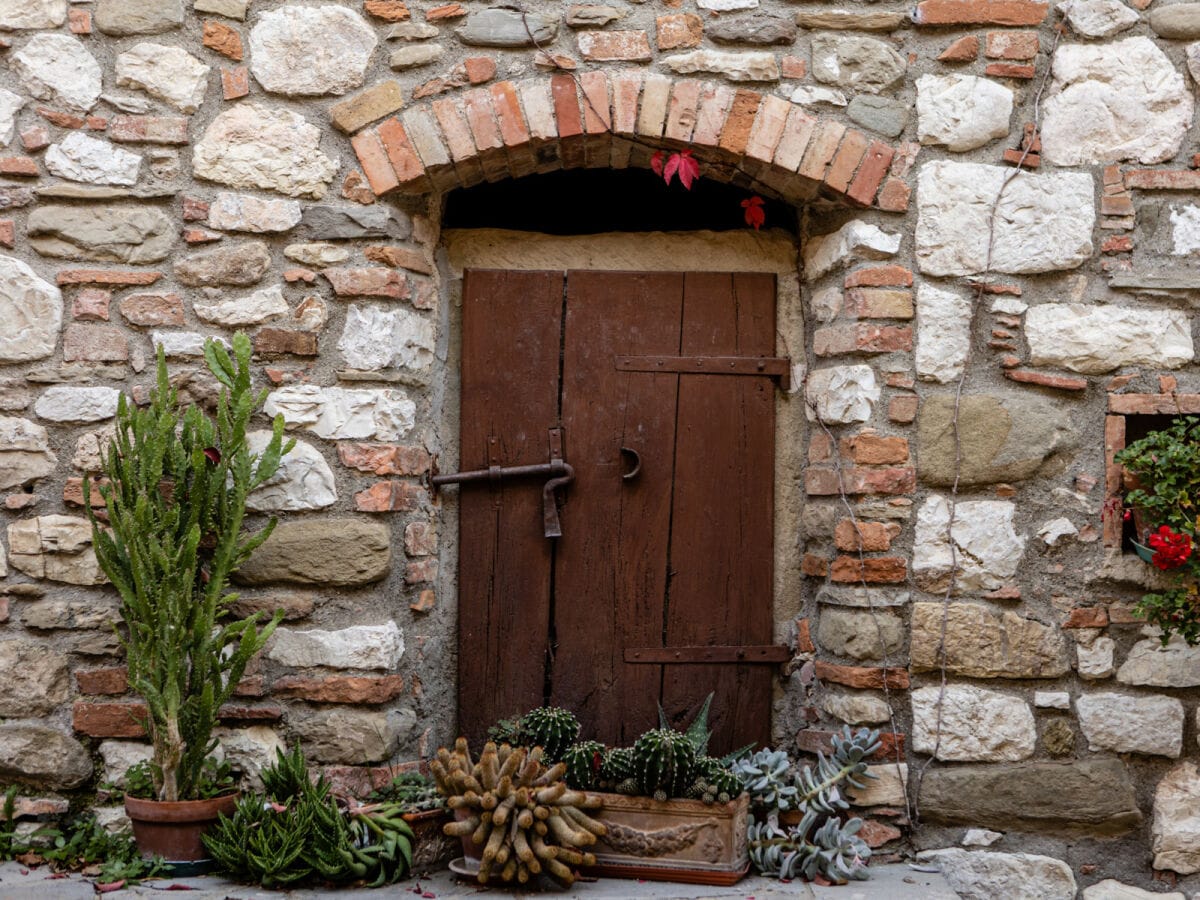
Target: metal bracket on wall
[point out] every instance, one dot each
(778, 367)
(764, 654)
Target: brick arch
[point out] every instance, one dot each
(615, 120)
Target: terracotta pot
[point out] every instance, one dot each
(431, 848)
(471, 850)
(173, 830)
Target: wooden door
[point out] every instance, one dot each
(653, 571)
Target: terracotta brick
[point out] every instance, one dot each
(816, 740)
(656, 96)
(426, 600)
(863, 337)
(1154, 404)
(820, 447)
(481, 119)
(813, 566)
(271, 341)
(201, 236)
(1009, 70)
(379, 100)
(1019, 45)
(223, 39)
(391, 496)
(626, 88)
(1044, 379)
(19, 166)
(768, 128)
(152, 310)
(90, 304)
(965, 49)
(35, 137)
(405, 162)
(61, 119)
(678, 32)
(879, 276)
(871, 172)
(597, 115)
(368, 282)
(446, 11)
(426, 138)
(79, 21)
(824, 482)
(682, 111)
(1123, 614)
(373, 158)
(804, 641)
(455, 130)
(355, 187)
(903, 409)
(73, 492)
(875, 449)
(420, 538)
(1087, 617)
(796, 135)
(358, 689)
(873, 677)
(94, 343)
(387, 10)
(873, 536)
(235, 82)
(821, 150)
(1117, 243)
(894, 196)
(109, 720)
(1025, 159)
(614, 46)
(980, 12)
(735, 134)
(1121, 205)
(566, 106)
(111, 680)
(400, 258)
(879, 303)
(421, 571)
(845, 162)
(715, 101)
(793, 67)
(149, 129)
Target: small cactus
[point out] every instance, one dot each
(665, 761)
(617, 766)
(583, 762)
(550, 727)
(719, 778)
(628, 786)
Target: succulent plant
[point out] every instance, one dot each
(552, 728)
(833, 850)
(664, 761)
(767, 776)
(522, 814)
(715, 781)
(583, 762)
(616, 766)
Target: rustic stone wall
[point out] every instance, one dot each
(175, 170)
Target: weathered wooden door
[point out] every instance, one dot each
(659, 589)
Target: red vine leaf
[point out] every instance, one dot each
(689, 169)
(755, 214)
(656, 163)
(671, 168)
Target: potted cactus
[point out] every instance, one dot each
(175, 483)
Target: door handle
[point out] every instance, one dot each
(562, 473)
(636, 469)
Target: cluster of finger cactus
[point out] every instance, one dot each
(664, 763)
(550, 727)
(521, 814)
(821, 844)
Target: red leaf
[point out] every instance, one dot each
(671, 168)
(110, 886)
(213, 454)
(656, 163)
(689, 169)
(755, 215)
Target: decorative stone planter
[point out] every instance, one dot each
(677, 840)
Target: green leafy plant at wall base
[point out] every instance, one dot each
(175, 487)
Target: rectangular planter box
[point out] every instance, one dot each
(676, 840)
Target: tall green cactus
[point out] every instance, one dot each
(175, 493)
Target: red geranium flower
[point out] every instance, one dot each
(1171, 550)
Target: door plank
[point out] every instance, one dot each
(510, 348)
(611, 565)
(722, 531)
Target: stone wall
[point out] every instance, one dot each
(174, 170)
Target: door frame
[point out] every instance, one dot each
(734, 251)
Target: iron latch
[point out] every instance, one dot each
(778, 367)
(560, 471)
(762, 654)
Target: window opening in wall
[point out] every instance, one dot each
(1136, 428)
(583, 201)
